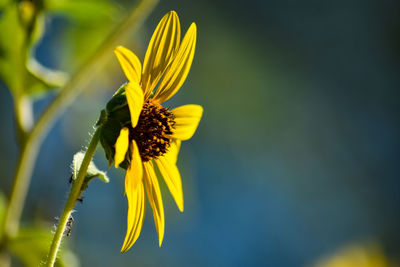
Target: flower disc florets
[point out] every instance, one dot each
(152, 133)
(141, 136)
(153, 130)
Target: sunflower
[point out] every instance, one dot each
(152, 136)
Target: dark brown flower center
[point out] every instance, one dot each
(153, 130)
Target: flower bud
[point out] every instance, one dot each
(112, 119)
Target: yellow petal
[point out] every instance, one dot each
(187, 119)
(172, 178)
(135, 193)
(135, 98)
(121, 146)
(135, 170)
(155, 200)
(136, 212)
(130, 63)
(161, 50)
(177, 72)
(173, 151)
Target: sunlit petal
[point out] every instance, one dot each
(173, 151)
(135, 98)
(135, 193)
(187, 119)
(177, 72)
(161, 50)
(136, 212)
(172, 178)
(130, 63)
(135, 169)
(121, 146)
(155, 200)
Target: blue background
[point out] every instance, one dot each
(296, 156)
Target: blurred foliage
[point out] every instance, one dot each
(89, 21)
(3, 205)
(22, 27)
(307, 92)
(360, 255)
(84, 11)
(85, 25)
(31, 247)
(13, 51)
(32, 244)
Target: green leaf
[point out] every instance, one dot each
(3, 206)
(91, 173)
(16, 40)
(43, 79)
(89, 22)
(86, 11)
(11, 43)
(3, 3)
(32, 245)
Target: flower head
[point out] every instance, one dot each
(139, 133)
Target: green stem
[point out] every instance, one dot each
(67, 94)
(78, 81)
(19, 189)
(23, 116)
(73, 196)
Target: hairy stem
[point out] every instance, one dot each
(32, 141)
(73, 196)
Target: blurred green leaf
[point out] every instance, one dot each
(3, 3)
(3, 206)
(15, 45)
(11, 46)
(92, 171)
(85, 11)
(32, 245)
(82, 36)
(43, 78)
(80, 42)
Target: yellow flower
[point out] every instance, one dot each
(154, 133)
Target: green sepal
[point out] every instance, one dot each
(92, 171)
(103, 118)
(112, 119)
(108, 136)
(118, 100)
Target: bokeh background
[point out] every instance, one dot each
(296, 156)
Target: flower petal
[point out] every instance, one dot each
(161, 50)
(155, 200)
(135, 169)
(187, 119)
(173, 151)
(135, 98)
(135, 193)
(172, 178)
(130, 63)
(136, 212)
(121, 146)
(177, 72)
